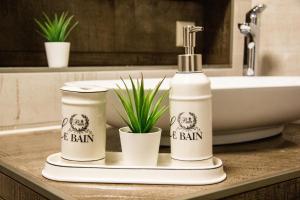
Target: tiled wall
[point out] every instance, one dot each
(33, 99)
(279, 51)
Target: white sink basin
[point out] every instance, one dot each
(244, 108)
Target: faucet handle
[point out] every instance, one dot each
(244, 28)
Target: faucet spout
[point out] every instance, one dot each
(257, 9)
(251, 16)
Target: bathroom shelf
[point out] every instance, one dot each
(112, 169)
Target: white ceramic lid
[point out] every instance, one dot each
(84, 89)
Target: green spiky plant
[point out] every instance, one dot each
(56, 29)
(141, 107)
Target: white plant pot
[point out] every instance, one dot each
(57, 54)
(140, 149)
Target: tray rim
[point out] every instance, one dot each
(150, 176)
(84, 164)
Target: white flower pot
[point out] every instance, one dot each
(57, 54)
(140, 148)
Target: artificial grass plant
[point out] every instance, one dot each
(56, 29)
(143, 110)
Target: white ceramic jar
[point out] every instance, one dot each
(83, 133)
(190, 116)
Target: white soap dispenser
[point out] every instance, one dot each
(190, 105)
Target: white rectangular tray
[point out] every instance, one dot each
(113, 170)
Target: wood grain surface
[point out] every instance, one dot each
(249, 166)
(11, 189)
(287, 190)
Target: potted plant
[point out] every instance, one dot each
(140, 140)
(56, 31)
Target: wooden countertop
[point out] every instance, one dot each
(248, 166)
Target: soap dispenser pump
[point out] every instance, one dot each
(190, 62)
(190, 105)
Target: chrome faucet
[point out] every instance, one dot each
(250, 30)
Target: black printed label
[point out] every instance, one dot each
(78, 130)
(186, 127)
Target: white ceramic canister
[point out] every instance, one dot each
(83, 133)
(191, 116)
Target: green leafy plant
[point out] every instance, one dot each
(141, 108)
(56, 29)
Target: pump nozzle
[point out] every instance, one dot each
(189, 38)
(190, 61)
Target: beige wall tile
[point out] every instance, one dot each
(279, 50)
(33, 99)
(239, 8)
(9, 100)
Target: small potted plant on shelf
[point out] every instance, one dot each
(56, 31)
(140, 140)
